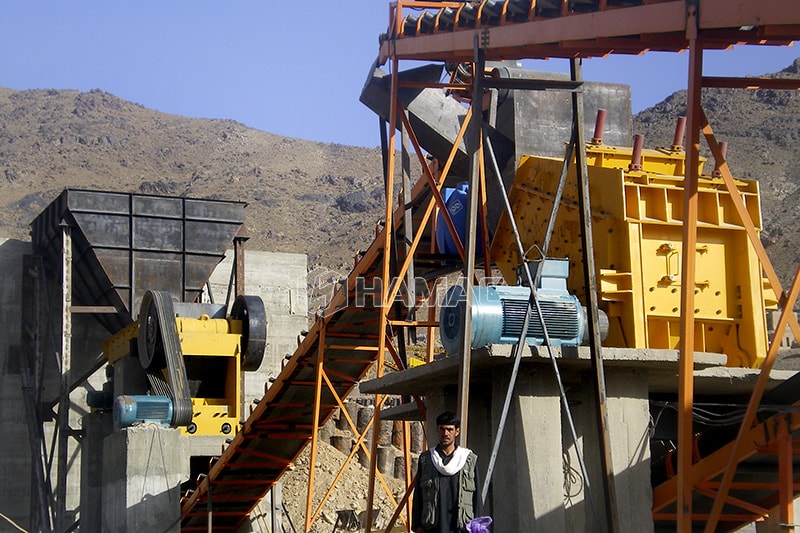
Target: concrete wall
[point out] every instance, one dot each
(538, 483)
(280, 279)
(14, 449)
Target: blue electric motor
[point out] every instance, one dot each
(498, 313)
(130, 410)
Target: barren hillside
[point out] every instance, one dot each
(314, 198)
(302, 196)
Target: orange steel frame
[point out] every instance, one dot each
(666, 25)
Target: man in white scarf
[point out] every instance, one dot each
(446, 495)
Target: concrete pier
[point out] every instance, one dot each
(143, 468)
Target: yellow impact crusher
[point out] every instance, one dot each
(637, 219)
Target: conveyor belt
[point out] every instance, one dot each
(445, 31)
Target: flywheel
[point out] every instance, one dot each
(250, 310)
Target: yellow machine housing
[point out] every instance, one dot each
(637, 219)
(212, 356)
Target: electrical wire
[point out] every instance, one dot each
(700, 413)
(7, 519)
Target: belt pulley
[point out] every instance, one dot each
(250, 310)
(159, 349)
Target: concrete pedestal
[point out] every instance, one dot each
(538, 483)
(142, 471)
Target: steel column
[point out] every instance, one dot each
(473, 148)
(589, 273)
(66, 364)
(238, 260)
(686, 344)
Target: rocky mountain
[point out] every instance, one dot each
(302, 196)
(323, 199)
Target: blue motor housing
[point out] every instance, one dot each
(457, 203)
(498, 313)
(130, 410)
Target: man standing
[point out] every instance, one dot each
(446, 494)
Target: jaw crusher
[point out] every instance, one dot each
(190, 361)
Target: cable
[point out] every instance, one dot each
(7, 519)
(532, 282)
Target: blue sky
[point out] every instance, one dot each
(290, 68)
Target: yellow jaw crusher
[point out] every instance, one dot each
(190, 364)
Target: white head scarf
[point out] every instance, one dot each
(455, 465)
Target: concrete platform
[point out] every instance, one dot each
(711, 377)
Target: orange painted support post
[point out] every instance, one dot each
(315, 423)
(686, 345)
(386, 273)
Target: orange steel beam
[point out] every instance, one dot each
(756, 510)
(428, 175)
(749, 227)
(716, 463)
(315, 430)
(657, 18)
(407, 464)
(688, 253)
(752, 406)
(752, 83)
(786, 491)
(358, 445)
(403, 502)
(437, 198)
(386, 270)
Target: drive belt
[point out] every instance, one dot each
(160, 349)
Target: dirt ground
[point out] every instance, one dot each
(350, 493)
